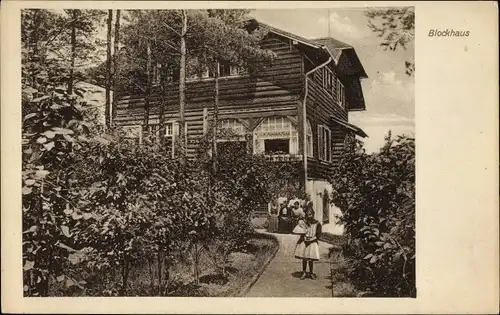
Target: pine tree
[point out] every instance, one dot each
(108, 71)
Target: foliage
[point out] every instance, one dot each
(105, 204)
(95, 204)
(376, 194)
(220, 35)
(396, 27)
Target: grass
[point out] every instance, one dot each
(243, 266)
(340, 284)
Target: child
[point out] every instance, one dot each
(297, 210)
(307, 248)
(301, 227)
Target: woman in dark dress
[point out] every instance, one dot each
(284, 219)
(273, 218)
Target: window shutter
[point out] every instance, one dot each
(343, 95)
(338, 90)
(325, 144)
(320, 142)
(329, 145)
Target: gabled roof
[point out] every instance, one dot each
(333, 46)
(298, 38)
(337, 48)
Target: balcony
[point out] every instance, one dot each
(283, 157)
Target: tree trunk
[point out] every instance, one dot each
(125, 272)
(151, 275)
(115, 65)
(145, 124)
(159, 271)
(73, 53)
(161, 115)
(107, 112)
(224, 262)
(215, 119)
(195, 263)
(167, 276)
(182, 85)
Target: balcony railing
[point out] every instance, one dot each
(283, 157)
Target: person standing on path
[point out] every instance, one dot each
(284, 219)
(307, 248)
(273, 218)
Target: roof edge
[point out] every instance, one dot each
(358, 131)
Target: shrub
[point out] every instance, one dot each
(376, 194)
(94, 204)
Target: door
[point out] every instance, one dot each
(326, 207)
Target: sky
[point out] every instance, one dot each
(389, 93)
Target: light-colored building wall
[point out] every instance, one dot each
(316, 190)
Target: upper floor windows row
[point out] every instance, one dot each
(173, 75)
(332, 84)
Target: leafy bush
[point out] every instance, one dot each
(95, 206)
(101, 205)
(376, 194)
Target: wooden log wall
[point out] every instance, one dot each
(273, 91)
(322, 104)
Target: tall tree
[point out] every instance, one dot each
(222, 36)
(108, 70)
(152, 46)
(116, 68)
(145, 124)
(396, 28)
(215, 116)
(182, 83)
(74, 16)
(82, 26)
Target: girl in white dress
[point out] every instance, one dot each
(307, 248)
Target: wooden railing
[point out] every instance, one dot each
(283, 157)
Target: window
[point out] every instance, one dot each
(132, 134)
(276, 128)
(224, 69)
(231, 136)
(198, 76)
(154, 131)
(309, 140)
(172, 75)
(328, 144)
(324, 143)
(329, 81)
(155, 77)
(340, 93)
(231, 130)
(277, 146)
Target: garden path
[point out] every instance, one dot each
(282, 276)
